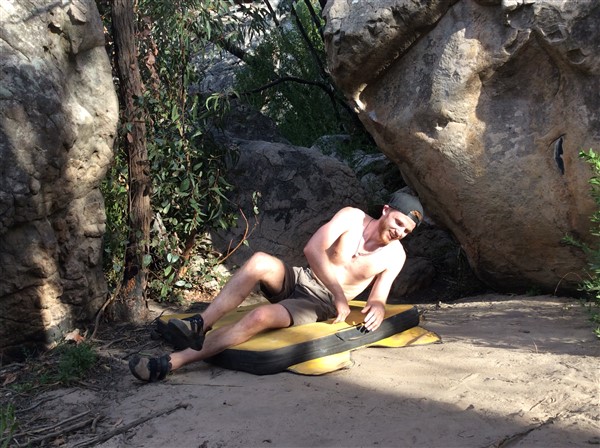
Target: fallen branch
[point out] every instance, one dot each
(106, 346)
(95, 422)
(141, 350)
(51, 427)
(63, 431)
(110, 434)
(510, 440)
(173, 383)
(34, 405)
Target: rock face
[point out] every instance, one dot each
(300, 190)
(484, 106)
(58, 119)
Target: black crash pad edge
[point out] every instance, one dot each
(277, 360)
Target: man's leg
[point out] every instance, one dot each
(262, 318)
(260, 267)
(259, 319)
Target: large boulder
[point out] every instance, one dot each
(296, 190)
(484, 106)
(57, 124)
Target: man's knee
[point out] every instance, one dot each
(262, 263)
(257, 318)
(267, 316)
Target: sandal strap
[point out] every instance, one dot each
(159, 367)
(196, 323)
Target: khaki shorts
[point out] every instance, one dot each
(304, 296)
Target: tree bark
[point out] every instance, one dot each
(130, 305)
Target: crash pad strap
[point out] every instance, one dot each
(271, 361)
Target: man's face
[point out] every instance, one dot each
(398, 225)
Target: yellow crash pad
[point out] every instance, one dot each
(316, 348)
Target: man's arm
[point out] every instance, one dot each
(375, 307)
(319, 252)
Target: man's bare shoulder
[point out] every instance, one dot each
(351, 213)
(394, 254)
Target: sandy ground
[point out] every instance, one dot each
(510, 371)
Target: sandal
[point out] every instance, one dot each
(188, 332)
(150, 369)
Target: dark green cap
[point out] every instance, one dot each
(407, 204)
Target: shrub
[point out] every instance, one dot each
(591, 285)
(75, 362)
(187, 168)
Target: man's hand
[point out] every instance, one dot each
(343, 309)
(375, 312)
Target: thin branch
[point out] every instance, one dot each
(51, 427)
(310, 45)
(34, 405)
(101, 311)
(321, 85)
(273, 14)
(110, 434)
(326, 88)
(244, 237)
(67, 430)
(314, 16)
(512, 439)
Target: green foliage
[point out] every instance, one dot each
(591, 285)
(8, 425)
(74, 363)
(186, 166)
(63, 365)
(305, 106)
(188, 169)
(114, 190)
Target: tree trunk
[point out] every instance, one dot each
(130, 304)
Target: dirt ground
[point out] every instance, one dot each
(511, 371)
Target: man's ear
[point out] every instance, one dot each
(385, 210)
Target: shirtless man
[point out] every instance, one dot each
(345, 256)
